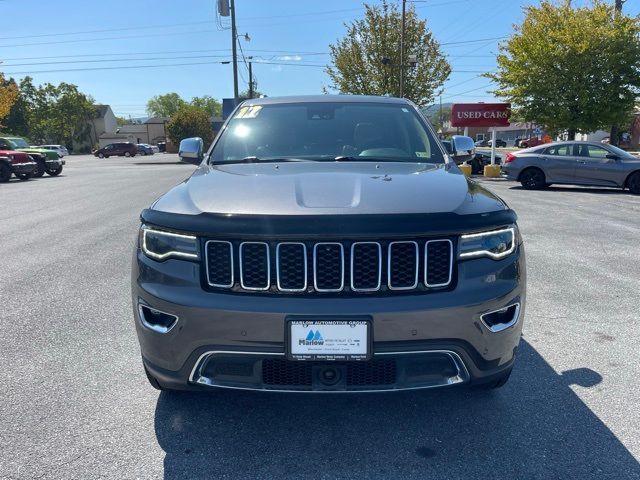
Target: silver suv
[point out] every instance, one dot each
(327, 243)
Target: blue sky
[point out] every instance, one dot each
(99, 38)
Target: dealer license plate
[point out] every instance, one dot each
(329, 340)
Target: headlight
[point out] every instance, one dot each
(494, 244)
(161, 245)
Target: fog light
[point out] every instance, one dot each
(156, 320)
(502, 319)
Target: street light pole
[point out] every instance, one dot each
(250, 78)
(234, 53)
(402, 31)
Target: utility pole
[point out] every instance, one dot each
(234, 53)
(402, 31)
(250, 78)
(441, 119)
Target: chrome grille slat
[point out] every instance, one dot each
(430, 265)
(253, 256)
(401, 263)
(317, 268)
(225, 267)
(354, 265)
(280, 260)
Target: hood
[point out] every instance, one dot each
(328, 188)
(18, 156)
(50, 154)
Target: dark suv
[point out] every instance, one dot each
(125, 149)
(328, 243)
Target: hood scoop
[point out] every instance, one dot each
(328, 191)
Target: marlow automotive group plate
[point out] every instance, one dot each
(329, 340)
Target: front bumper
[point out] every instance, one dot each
(55, 163)
(23, 168)
(238, 340)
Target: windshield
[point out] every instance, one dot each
(324, 131)
(620, 152)
(19, 143)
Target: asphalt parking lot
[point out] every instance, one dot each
(75, 402)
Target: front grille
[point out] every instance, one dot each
(284, 373)
(362, 267)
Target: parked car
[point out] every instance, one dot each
(144, 149)
(155, 148)
(348, 255)
(162, 146)
(624, 142)
(533, 141)
(125, 149)
(60, 149)
(15, 163)
(575, 163)
(499, 143)
(481, 159)
(47, 161)
(481, 143)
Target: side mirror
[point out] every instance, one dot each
(191, 150)
(463, 147)
(612, 156)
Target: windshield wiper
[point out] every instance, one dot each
(347, 158)
(254, 159)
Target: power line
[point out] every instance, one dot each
(228, 50)
(105, 30)
(122, 67)
(123, 37)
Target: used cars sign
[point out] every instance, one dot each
(480, 114)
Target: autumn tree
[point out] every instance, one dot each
(571, 69)
(366, 61)
(190, 121)
(8, 97)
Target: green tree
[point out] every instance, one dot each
(120, 121)
(208, 104)
(190, 121)
(165, 105)
(56, 113)
(360, 64)
(571, 69)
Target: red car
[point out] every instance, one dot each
(17, 163)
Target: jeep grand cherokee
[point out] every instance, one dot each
(327, 243)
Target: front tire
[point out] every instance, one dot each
(634, 183)
(24, 176)
(54, 172)
(533, 179)
(101, 155)
(127, 154)
(5, 173)
(41, 167)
